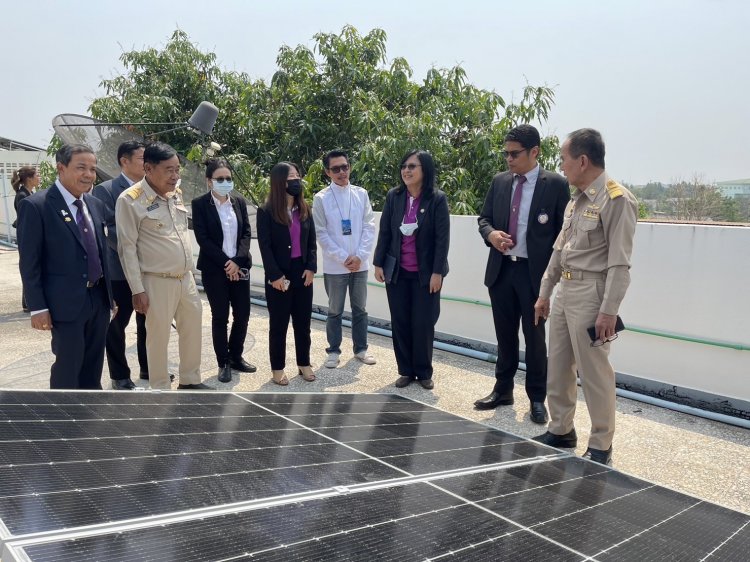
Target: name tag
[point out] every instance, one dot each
(346, 227)
(152, 207)
(591, 213)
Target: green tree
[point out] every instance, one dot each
(342, 93)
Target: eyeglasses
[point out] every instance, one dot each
(339, 169)
(221, 180)
(410, 166)
(598, 343)
(512, 154)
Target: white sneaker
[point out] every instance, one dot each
(332, 361)
(365, 357)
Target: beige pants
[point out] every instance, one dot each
(575, 309)
(170, 299)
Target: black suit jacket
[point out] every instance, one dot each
(21, 194)
(210, 236)
(551, 195)
(433, 234)
(276, 245)
(52, 255)
(108, 192)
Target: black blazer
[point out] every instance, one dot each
(276, 245)
(108, 192)
(433, 234)
(52, 256)
(21, 194)
(210, 236)
(551, 195)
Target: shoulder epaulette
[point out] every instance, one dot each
(614, 189)
(134, 192)
(178, 191)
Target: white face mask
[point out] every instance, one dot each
(408, 229)
(222, 188)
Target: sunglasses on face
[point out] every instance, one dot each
(339, 169)
(410, 166)
(221, 180)
(512, 154)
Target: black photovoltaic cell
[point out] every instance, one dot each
(69, 460)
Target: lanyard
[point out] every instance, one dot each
(333, 192)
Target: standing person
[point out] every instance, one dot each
(286, 237)
(592, 258)
(25, 180)
(520, 219)
(411, 257)
(64, 270)
(222, 230)
(130, 159)
(345, 228)
(157, 258)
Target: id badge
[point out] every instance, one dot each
(346, 227)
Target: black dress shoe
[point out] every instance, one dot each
(597, 455)
(427, 383)
(199, 386)
(538, 412)
(242, 366)
(225, 374)
(494, 400)
(567, 441)
(143, 375)
(402, 381)
(122, 384)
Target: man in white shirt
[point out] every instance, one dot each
(345, 228)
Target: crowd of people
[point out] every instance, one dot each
(91, 256)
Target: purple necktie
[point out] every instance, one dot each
(89, 243)
(514, 208)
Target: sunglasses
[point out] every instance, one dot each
(339, 169)
(221, 180)
(410, 166)
(599, 343)
(512, 154)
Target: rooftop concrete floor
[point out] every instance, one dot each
(706, 459)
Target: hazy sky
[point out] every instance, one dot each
(667, 82)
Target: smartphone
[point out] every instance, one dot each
(619, 327)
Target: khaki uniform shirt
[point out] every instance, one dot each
(596, 237)
(152, 234)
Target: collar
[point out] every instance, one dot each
(531, 176)
(127, 179)
(596, 186)
(340, 188)
(67, 195)
(151, 194)
(219, 202)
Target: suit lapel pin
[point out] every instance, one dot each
(68, 219)
(64, 213)
(543, 218)
(421, 210)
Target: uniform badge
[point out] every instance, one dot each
(592, 191)
(591, 213)
(159, 224)
(153, 207)
(543, 218)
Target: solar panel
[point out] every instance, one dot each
(285, 476)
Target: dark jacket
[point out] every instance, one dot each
(21, 194)
(551, 195)
(276, 245)
(210, 236)
(108, 192)
(433, 234)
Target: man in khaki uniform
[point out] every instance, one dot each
(591, 259)
(157, 259)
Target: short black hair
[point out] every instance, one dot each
(334, 154)
(214, 164)
(428, 169)
(66, 152)
(158, 152)
(588, 142)
(126, 149)
(525, 135)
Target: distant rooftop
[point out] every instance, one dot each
(10, 144)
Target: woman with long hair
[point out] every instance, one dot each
(286, 237)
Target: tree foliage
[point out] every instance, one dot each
(343, 93)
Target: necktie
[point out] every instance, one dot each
(89, 243)
(514, 208)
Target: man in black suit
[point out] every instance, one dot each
(64, 270)
(522, 215)
(130, 159)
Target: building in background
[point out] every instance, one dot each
(734, 188)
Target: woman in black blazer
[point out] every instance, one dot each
(24, 181)
(286, 237)
(411, 257)
(223, 233)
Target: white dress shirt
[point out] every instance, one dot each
(332, 205)
(228, 225)
(524, 209)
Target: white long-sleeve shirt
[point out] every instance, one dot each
(331, 206)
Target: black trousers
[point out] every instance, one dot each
(296, 302)
(79, 345)
(513, 301)
(118, 364)
(414, 313)
(223, 293)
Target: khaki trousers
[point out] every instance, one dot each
(575, 309)
(169, 299)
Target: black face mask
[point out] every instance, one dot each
(294, 187)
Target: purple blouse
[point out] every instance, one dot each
(409, 243)
(294, 234)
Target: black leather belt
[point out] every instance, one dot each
(515, 258)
